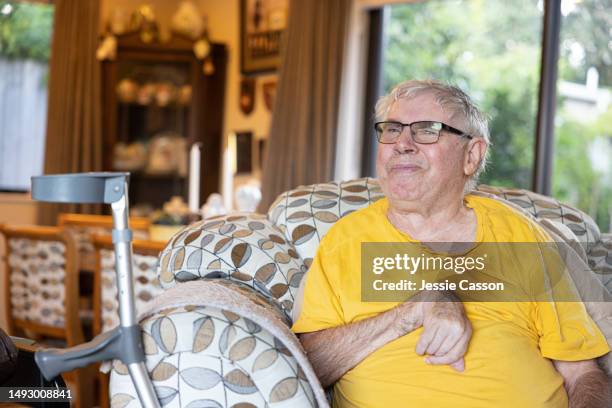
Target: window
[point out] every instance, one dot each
(492, 49)
(25, 33)
(582, 161)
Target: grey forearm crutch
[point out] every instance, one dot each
(124, 342)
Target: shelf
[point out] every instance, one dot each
(199, 121)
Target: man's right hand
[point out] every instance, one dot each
(446, 329)
(446, 333)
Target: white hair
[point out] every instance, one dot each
(449, 98)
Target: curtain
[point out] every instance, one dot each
(301, 144)
(74, 135)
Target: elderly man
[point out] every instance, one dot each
(433, 143)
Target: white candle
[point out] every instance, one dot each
(194, 178)
(229, 168)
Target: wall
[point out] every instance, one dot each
(17, 208)
(224, 27)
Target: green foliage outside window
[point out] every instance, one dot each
(492, 49)
(25, 31)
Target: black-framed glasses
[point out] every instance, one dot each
(423, 132)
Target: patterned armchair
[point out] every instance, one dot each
(218, 336)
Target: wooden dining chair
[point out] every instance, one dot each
(41, 294)
(106, 306)
(84, 226)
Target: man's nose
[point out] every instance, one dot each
(405, 143)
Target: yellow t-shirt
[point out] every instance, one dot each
(507, 363)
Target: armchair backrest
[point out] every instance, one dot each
(306, 214)
(544, 207)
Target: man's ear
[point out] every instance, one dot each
(474, 155)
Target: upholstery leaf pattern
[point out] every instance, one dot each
(597, 246)
(201, 378)
(37, 271)
(253, 371)
(541, 206)
(246, 248)
(146, 285)
(305, 214)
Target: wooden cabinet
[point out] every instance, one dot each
(158, 100)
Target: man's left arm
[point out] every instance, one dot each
(586, 384)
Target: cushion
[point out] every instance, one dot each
(306, 213)
(243, 247)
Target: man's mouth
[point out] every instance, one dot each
(408, 168)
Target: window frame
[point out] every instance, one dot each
(370, 11)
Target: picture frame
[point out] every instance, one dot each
(262, 28)
(244, 152)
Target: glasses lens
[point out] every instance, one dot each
(426, 132)
(388, 132)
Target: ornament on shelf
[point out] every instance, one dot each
(127, 90)
(129, 157)
(184, 95)
(247, 197)
(167, 154)
(214, 206)
(176, 207)
(107, 50)
(169, 221)
(187, 20)
(165, 93)
(209, 67)
(143, 20)
(119, 21)
(201, 48)
(146, 93)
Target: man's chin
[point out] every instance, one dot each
(405, 191)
